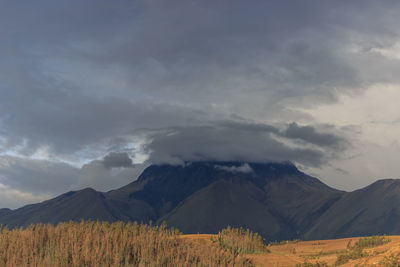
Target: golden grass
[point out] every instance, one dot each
(105, 244)
(131, 244)
(376, 251)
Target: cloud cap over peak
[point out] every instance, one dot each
(243, 142)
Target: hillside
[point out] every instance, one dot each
(372, 210)
(333, 252)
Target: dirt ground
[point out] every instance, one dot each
(292, 253)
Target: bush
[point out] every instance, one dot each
(371, 241)
(353, 254)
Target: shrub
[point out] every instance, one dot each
(371, 241)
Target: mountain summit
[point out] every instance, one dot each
(275, 199)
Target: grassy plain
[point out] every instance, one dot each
(120, 244)
(329, 253)
(123, 244)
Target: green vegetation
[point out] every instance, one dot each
(352, 254)
(357, 251)
(371, 241)
(239, 241)
(325, 253)
(284, 242)
(120, 244)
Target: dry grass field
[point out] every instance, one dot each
(123, 244)
(120, 244)
(327, 252)
(320, 253)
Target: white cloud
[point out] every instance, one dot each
(244, 168)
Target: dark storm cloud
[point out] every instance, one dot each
(201, 79)
(67, 122)
(310, 135)
(236, 142)
(79, 74)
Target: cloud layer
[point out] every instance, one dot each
(186, 80)
(229, 141)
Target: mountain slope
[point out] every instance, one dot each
(224, 202)
(300, 199)
(273, 199)
(75, 205)
(372, 210)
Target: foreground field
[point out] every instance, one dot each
(120, 244)
(324, 252)
(331, 253)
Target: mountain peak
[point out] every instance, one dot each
(234, 167)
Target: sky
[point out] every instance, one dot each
(92, 92)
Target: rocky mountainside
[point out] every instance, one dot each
(274, 199)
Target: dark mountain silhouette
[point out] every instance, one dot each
(4, 212)
(274, 199)
(372, 210)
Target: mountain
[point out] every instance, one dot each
(4, 212)
(372, 210)
(274, 199)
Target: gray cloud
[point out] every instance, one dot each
(96, 175)
(229, 141)
(36, 176)
(79, 79)
(244, 168)
(117, 160)
(98, 71)
(23, 180)
(310, 135)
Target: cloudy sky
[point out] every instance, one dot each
(93, 91)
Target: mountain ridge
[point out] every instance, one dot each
(275, 199)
